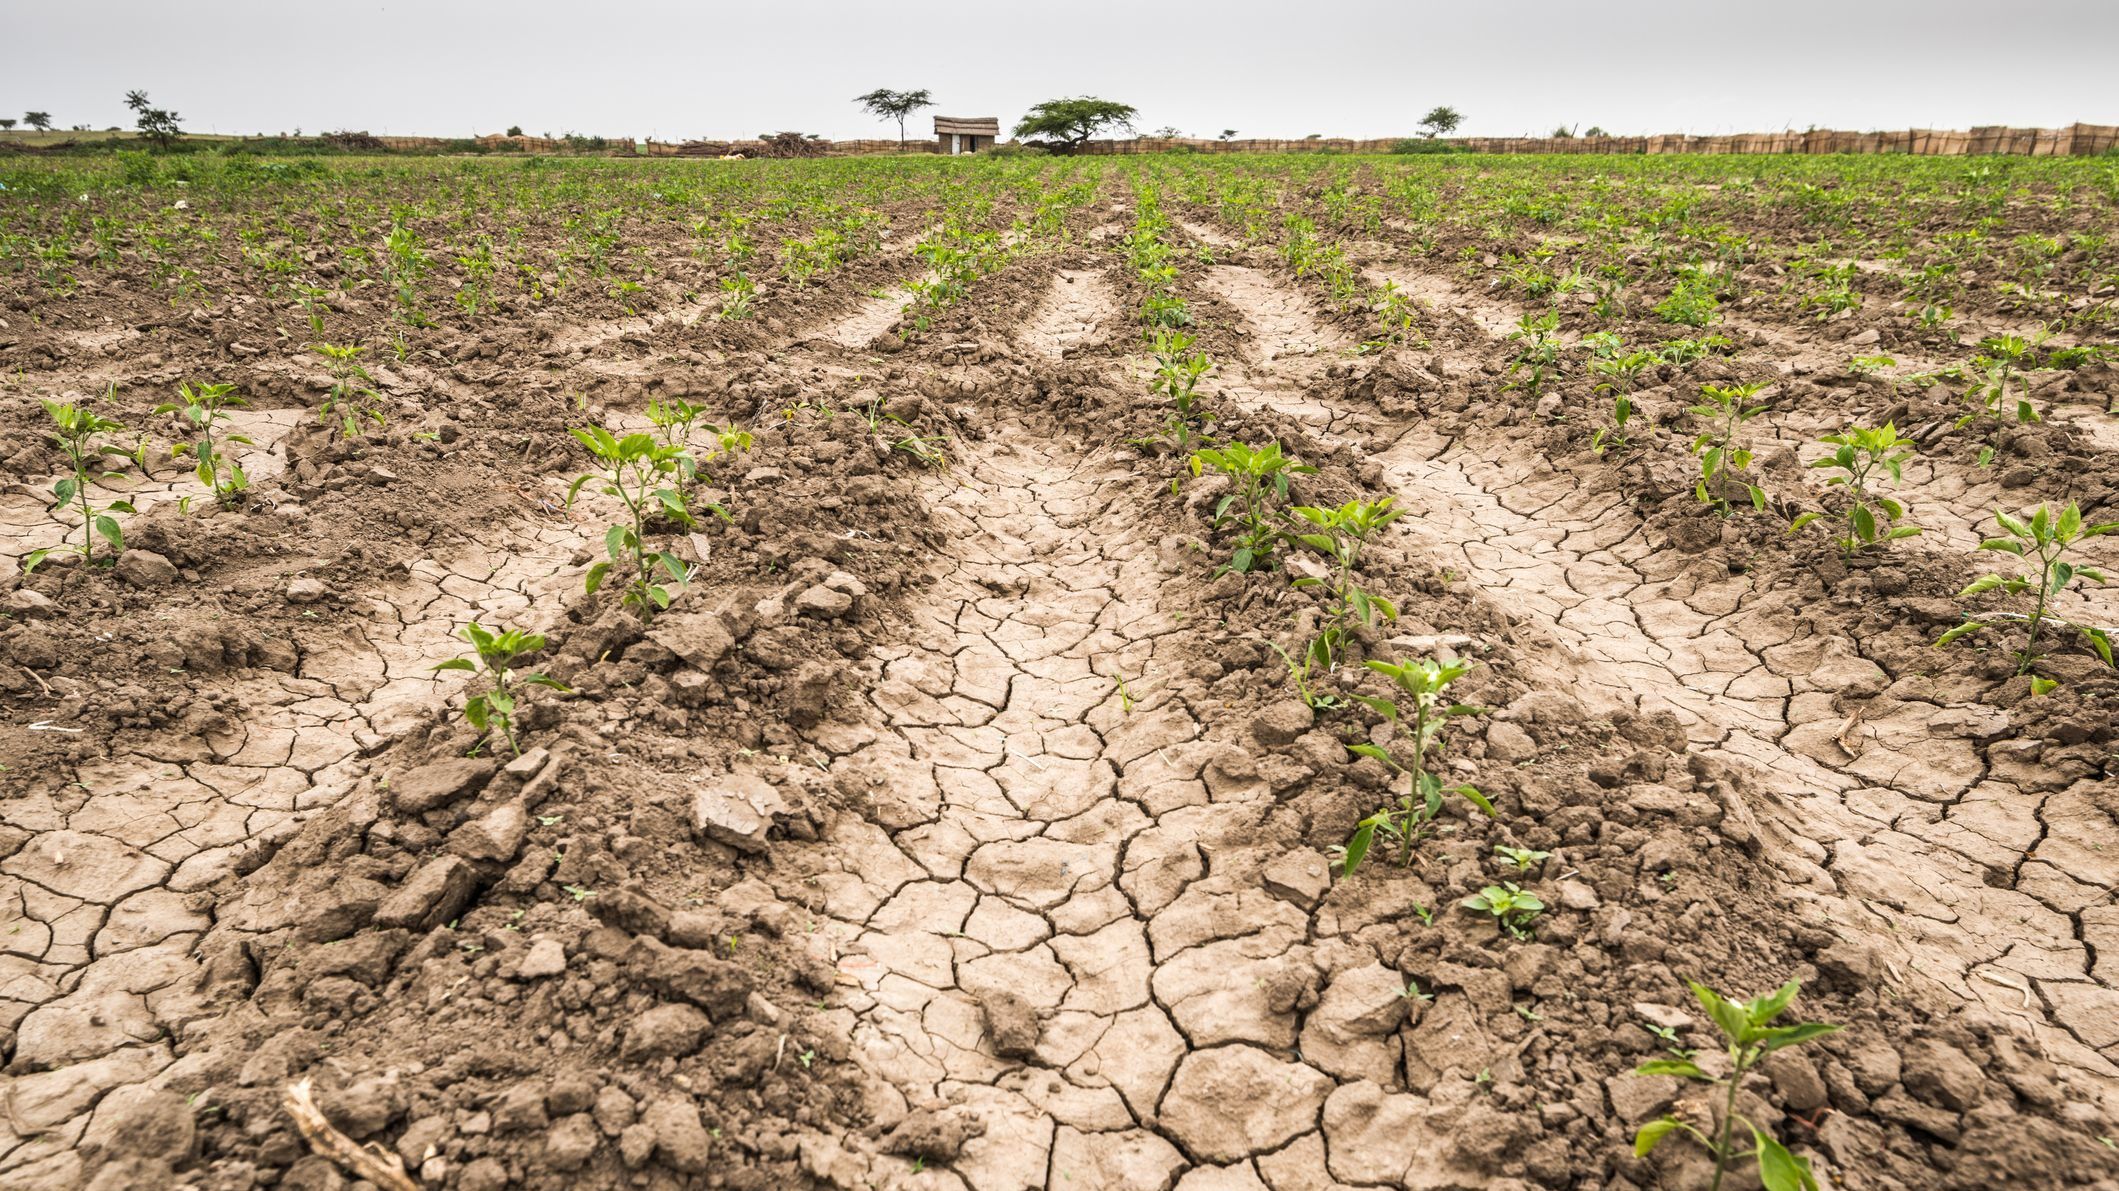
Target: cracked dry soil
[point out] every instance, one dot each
(957, 829)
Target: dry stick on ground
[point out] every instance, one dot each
(377, 1167)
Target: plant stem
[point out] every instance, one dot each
(1721, 1150)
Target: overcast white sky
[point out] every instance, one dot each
(1361, 68)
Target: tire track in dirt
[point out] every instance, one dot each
(1888, 808)
(1055, 938)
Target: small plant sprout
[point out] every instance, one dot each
(1525, 859)
(1423, 685)
(1260, 476)
(1858, 453)
(673, 420)
(351, 399)
(644, 475)
(1178, 371)
(2000, 361)
(1317, 658)
(206, 407)
(496, 653)
(1514, 909)
(1745, 1025)
(1723, 464)
(2043, 540)
(1621, 373)
(1539, 351)
(75, 428)
(1340, 535)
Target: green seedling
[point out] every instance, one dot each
(1858, 454)
(1747, 1028)
(1524, 859)
(644, 475)
(75, 428)
(1723, 464)
(1514, 909)
(2043, 540)
(350, 398)
(1340, 535)
(1621, 374)
(1178, 371)
(1422, 685)
(1260, 475)
(495, 654)
(1539, 351)
(1320, 656)
(2001, 361)
(206, 407)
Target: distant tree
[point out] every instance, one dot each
(7, 123)
(1072, 122)
(1596, 130)
(41, 121)
(1563, 133)
(156, 124)
(1168, 130)
(1226, 133)
(895, 105)
(514, 130)
(1440, 120)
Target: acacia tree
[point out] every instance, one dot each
(7, 123)
(41, 121)
(895, 105)
(1440, 120)
(1071, 122)
(156, 124)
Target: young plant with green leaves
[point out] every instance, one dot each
(2043, 540)
(1723, 464)
(1859, 454)
(1511, 906)
(204, 408)
(1341, 535)
(351, 398)
(1747, 1028)
(76, 429)
(1178, 371)
(495, 653)
(1419, 719)
(1319, 657)
(1622, 374)
(1259, 476)
(2000, 364)
(1539, 352)
(647, 477)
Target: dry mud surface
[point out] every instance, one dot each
(957, 828)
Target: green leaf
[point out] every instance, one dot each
(1970, 626)
(1372, 751)
(1778, 1169)
(1731, 1019)
(596, 576)
(1472, 794)
(1796, 525)
(1780, 1036)
(1682, 1068)
(1357, 848)
(107, 526)
(458, 664)
(1645, 1141)
(1764, 1009)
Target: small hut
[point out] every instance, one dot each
(965, 134)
